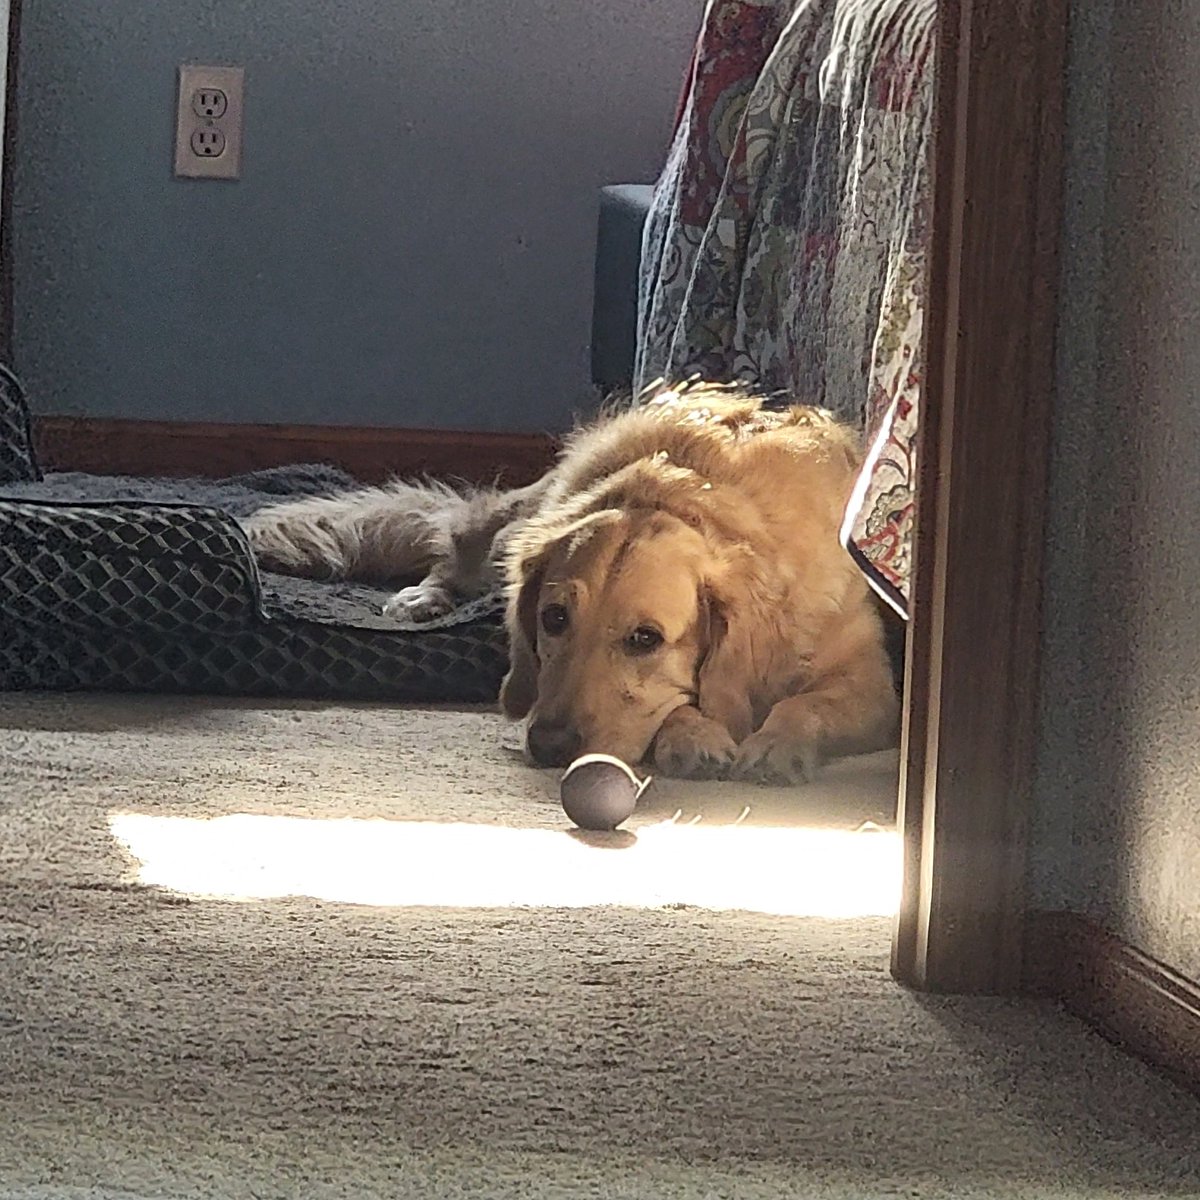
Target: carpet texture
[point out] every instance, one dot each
(174, 1041)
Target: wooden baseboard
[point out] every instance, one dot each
(1144, 1006)
(170, 448)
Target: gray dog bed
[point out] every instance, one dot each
(149, 584)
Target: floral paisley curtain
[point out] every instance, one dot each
(785, 245)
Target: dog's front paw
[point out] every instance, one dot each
(422, 602)
(779, 757)
(693, 747)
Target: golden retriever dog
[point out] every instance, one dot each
(677, 590)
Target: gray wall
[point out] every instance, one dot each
(1118, 829)
(5, 9)
(411, 243)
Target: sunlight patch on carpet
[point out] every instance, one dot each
(784, 871)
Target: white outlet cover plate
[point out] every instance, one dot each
(228, 164)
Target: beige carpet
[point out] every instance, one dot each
(255, 950)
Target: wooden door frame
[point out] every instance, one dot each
(970, 702)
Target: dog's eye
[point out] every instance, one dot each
(555, 619)
(643, 640)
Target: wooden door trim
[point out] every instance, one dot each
(970, 694)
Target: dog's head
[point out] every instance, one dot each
(620, 614)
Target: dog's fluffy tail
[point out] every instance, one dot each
(390, 534)
(396, 534)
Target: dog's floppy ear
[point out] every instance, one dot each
(518, 693)
(529, 556)
(723, 684)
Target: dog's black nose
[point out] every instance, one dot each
(553, 744)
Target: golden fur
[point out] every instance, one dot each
(677, 589)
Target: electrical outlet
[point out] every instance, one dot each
(208, 143)
(208, 123)
(210, 103)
